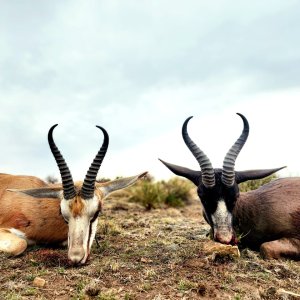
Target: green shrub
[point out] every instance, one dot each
(174, 192)
(149, 194)
(178, 192)
(254, 184)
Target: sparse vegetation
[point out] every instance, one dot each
(155, 254)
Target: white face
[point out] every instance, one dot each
(222, 223)
(82, 218)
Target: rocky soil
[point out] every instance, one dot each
(157, 254)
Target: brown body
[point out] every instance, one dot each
(39, 219)
(269, 218)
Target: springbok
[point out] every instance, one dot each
(33, 212)
(267, 218)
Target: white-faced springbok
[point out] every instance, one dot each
(268, 218)
(35, 212)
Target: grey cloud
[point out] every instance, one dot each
(138, 68)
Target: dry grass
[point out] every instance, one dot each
(153, 254)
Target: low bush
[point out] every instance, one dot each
(174, 192)
(255, 184)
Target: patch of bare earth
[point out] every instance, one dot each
(154, 254)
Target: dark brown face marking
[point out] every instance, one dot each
(76, 206)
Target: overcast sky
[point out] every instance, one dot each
(139, 69)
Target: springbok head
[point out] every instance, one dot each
(218, 188)
(81, 203)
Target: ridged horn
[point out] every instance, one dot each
(208, 173)
(88, 186)
(66, 177)
(228, 174)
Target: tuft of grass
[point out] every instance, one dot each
(107, 295)
(129, 296)
(30, 291)
(108, 227)
(145, 287)
(112, 265)
(12, 296)
(186, 285)
(150, 273)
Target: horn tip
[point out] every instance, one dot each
(51, 130)
(242, 116)
(186, 122)
(162, 161)
(142, 175)
(101, 128)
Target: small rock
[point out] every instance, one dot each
(218, 249)
(195, 263)
(146, 260)
(39, 282)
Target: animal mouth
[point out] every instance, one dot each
(225, 237)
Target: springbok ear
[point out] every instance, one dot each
(118, 184)
(47, 192)
(241, 176)
(193, 176)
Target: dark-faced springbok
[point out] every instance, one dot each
(35, 212)
(268, 218)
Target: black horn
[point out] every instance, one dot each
(208, 173)
(88, 186)
(66, 177)
(228, 174)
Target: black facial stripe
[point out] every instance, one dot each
(95, 217)
(90, 228)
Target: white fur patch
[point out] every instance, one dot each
(21, 235)
(80, 240)
(18, 233)
(221, 215)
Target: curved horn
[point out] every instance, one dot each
(88, 186)
(208, 173)
(228, 174)
(66, 177)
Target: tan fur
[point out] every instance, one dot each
(76, 206)
(39, 219)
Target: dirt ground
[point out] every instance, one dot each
(155, 254)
